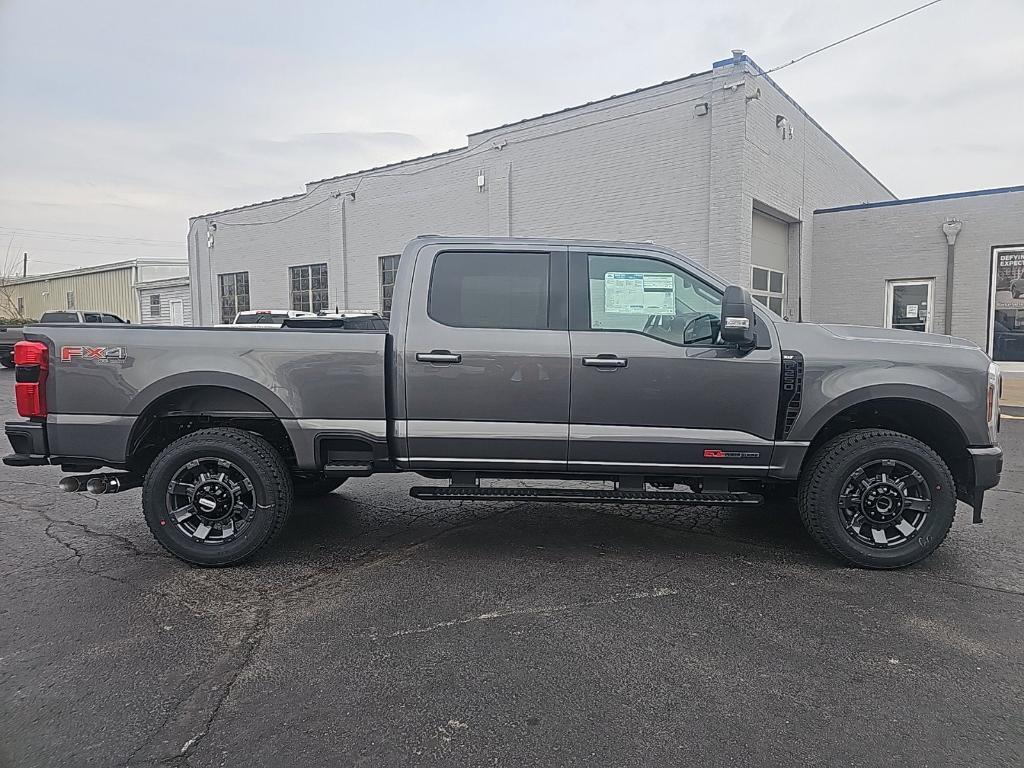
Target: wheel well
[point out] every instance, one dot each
(932, 426)
(186, 410)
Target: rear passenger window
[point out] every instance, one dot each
(490, 290)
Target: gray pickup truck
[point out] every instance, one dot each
(524, 358)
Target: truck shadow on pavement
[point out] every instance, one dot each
(342, 522)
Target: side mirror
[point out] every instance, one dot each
(738, 318)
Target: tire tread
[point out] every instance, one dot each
(824, 464)
(259, 451)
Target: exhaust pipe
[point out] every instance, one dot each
(100, 484)
(74, 483)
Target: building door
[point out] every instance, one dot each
(177, 312)
(1006, 308)
(486, 360)
(654, 390)
(769, 261)
(908, 304)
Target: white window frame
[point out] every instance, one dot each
(768, 293)
(307, 293)
(891, 284)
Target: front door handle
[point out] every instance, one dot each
(605, 361)
(438, 356)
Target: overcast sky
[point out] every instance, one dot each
(122, 119)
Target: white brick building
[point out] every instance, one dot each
(721, 165)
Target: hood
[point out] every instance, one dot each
(869, 333)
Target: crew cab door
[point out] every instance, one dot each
(486, 359)
(654, 390)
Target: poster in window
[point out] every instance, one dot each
(1008, 309)
(639, 293)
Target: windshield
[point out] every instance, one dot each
(261, 318)
(59, 317)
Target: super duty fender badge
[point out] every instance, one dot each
(718, 453)
(68, 354)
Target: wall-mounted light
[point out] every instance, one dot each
(481, 181)
(701, 109)
(782, 123)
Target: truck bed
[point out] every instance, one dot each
(102, 378)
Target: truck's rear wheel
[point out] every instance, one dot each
(877, 498)
(217, 496)
(7, 361)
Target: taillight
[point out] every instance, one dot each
(32, 362)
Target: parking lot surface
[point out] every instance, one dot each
(379, 630)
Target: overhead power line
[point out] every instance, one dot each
(851, 37)
(84, 237)
(486, 146)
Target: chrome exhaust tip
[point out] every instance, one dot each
(97, 485)
(72, 484)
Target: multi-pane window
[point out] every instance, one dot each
(308, 285)
(70, 300)
(388, 271)
(768, 286)
(234, 295)
(154, 305)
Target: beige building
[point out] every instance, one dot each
(113, 288)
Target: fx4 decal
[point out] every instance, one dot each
(67, 354)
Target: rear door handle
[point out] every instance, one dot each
(438, 356)
(605, 361)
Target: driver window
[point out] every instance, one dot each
(652, 297)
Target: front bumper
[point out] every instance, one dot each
(988, 467)
(28, 439)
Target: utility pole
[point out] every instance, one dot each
(24, 265)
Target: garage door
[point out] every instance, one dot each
(769, 260)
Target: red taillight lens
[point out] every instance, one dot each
(32, 362)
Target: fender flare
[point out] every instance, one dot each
(189, 379)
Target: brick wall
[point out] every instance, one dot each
(641, 166)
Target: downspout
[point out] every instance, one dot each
(950, 228)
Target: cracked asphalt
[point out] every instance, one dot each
(383, 631)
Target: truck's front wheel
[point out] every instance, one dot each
(7, 361)
(217, 496)
(877, 498)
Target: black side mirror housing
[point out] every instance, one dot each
(738, 318)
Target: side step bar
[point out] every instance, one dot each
(339, 469)
(470, 493)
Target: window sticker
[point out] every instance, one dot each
(639, 293)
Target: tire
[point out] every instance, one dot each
(311, 488)
(841, 485)
(1016, 294)
(7, 361)
(239, 473)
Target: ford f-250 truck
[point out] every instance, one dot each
(510, 358)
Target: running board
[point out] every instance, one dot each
(348, 469)
(469, 493)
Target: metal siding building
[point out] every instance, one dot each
(165, 302)
(688, 164)
(105, 288)
(885, 264)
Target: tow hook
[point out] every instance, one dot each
(100, 484)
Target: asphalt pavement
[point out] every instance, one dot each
(380, 630)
